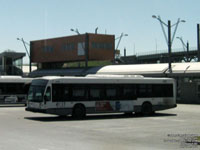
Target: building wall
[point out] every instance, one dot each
(190, 92)
(72, 48)
(56, 50)
(101, 47)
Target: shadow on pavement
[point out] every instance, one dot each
(96, 117)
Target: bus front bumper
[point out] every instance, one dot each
(54, 111)
(35, 110)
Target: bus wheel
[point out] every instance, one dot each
(147, 109)
(79, 112)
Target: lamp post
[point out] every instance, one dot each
(185, 46)
(168, 38)
(198, 42)
(120, 38)
(25, 43)
(85, 47)
(76, 30)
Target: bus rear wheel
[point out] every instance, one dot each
(79, 112)
(147, 109)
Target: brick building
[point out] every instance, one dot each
(53, 53)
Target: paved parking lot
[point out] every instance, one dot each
(177, 128)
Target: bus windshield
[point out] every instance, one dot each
(36, 91)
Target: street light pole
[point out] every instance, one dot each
(169, 40)
(75, 31)
(25, 43)
(185, 46)
(198, 42)
(120, 38)
(188, 52)
(169, 45)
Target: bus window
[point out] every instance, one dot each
(30, 94)
(78, 93)
(145, 90)
(168, 90)
(111, 92)
(96, 92)
(163, 90)
(36, 93)
(61, 92)
(48, 94)
(128, 92)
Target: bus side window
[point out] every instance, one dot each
(168, 90)
(79, 92)
(96, 92)
(60, 92)
(145, 90)
(163, 90)
(48, 94)
(128, 92)
(111, 92)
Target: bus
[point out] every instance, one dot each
(14, 89)
(78, 96)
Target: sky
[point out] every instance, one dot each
(42, 19)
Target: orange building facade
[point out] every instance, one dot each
(73, 48)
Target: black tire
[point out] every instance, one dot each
(147, 109)
(79, 112)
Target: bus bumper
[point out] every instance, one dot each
(35, 110)
(54, 111)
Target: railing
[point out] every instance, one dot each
(164, 51)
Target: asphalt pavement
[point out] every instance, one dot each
(177, 128)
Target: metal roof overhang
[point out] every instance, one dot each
(13, 55)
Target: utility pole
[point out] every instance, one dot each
(29, 55)
(187, 52)
(169, 45)
(185, 46)
(124, 51)
(168, 39)
(198, 42)
(86, 49)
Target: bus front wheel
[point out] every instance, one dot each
(147, 109)
(79, 112)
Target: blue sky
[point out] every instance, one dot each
(40, 19)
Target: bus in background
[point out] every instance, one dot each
(78, 96)
(14, 89)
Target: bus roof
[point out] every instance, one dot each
(105, 79)
(14, 79)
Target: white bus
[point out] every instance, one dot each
(14, 89)
(78, 96)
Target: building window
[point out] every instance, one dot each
(81, 49)
(101, 45)
(48, 49)
(69, 46)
